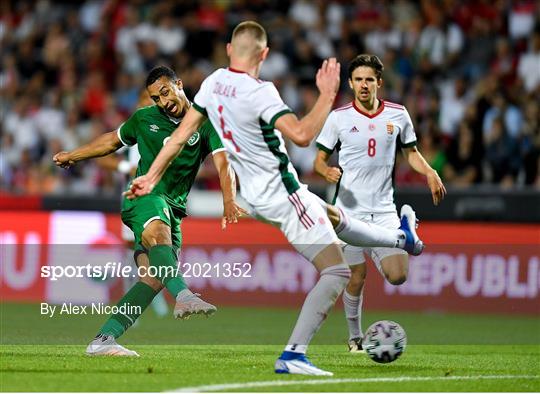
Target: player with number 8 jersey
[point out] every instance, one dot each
(367, 151)
(367, 133)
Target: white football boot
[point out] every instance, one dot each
(105, 345)
(297, 364)
(188, 303)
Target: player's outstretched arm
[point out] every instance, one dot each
(144, 184)
(101, 146)
(420, 165)
(227, 181)
(321, 167)
(115, 163)
(302, 131)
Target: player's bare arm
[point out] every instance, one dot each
(321, 167)
(302, 131)
(144, 184)
(113, 162)
(420, 165)
(227, 181)
(101, 146)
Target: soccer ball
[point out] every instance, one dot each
(384, 341)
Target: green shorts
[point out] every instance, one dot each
(140, 212)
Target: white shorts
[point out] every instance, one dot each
(355, 255)
(301, 218)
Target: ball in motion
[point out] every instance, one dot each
(384, 341)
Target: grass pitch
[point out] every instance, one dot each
(235, 351)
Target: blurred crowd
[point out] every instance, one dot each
(467, 71)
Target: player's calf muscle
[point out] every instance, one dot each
(152, 282)
(142, 261)
(357, 278)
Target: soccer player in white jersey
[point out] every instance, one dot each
(246, 113)
(367, 133)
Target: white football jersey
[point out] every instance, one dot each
(243, 110)
(367, 150)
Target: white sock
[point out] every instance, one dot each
(353, 313)
(318, 303)
(358, 233)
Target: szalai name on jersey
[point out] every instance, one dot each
(243, 111)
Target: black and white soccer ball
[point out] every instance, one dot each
(384, 341)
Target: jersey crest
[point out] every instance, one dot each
(194, 139)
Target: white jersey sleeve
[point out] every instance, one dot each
(268, 103)
(407, 137)
(329, 136)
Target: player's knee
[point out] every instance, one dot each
(356, 282)
(152, 282)
(396, 278)
(156, 233)
(341, 270)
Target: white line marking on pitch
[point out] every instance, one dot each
(270, 383)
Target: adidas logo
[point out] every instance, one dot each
(154, 128)
(353, 130)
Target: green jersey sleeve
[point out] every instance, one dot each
(127, 132)
(211, 137)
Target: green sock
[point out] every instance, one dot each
(134, 303)
(164, 256)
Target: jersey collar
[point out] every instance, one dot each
(234, 70)
(173, 119)
(371, 116)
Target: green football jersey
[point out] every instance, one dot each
(150, 128)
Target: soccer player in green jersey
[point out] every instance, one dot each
(155, 219)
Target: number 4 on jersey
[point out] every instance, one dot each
(226, 134)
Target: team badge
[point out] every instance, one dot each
(194, 139)
(390, 128)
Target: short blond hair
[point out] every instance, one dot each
(255, 38)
